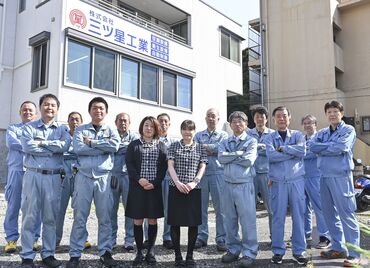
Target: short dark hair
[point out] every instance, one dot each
(98, 99)
(72, 113)
(163, 114)
(155, 124)
(280, 108)
(27, 102)
(310, 117)
(334, 104)
(187, 125)
(260, 110)
(49, 96)
(239, 115)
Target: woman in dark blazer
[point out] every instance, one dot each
(146, 163)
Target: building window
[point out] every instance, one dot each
(169, 88)
(78, 64)
(184, 86)
(129, 78)
(230, 46)
(22, 6)
(149, 82)
(40, 60)
(104, 70)
(176, 90)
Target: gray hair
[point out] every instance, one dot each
(310, 117)
(238, 115)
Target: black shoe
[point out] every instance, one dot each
(150, 258)
(190, 261)
(27, 263)
(229, 257)
(51, 262)
(74, 262)
(179, 262)
(107, 260)
(277, 259)
(323, 243)
(128, 248)
(200, 243)
(139, 259)
(221, 246)
(145, 244)
(301, 259)
(168, 244)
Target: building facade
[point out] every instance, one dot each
(145, 57)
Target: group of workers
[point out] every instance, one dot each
(157, 176)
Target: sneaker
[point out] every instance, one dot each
(246, 261)
(74, 262)
(200, 243)
(36, 247)
(221, 246)
(301, 259)
(139, 259)
(167, 244)
(309, 242)
(128, 248)
(11, 247)
(150, 258)
(87, 245)
(107, 260)
(27, 263)
(51, 262)
(333, 254)
(229, 257)
(351, 262)
(277, 259)
(323, 243)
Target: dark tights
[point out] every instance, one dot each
(192, 237)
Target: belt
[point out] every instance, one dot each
(46, 171)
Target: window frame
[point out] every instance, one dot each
(36, 74)
(22, 4)
(231, 37)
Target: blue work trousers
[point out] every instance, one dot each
(86, 190)
(13, 197)
(239, 205)
(40, 195)
(121, 194)
(67, 191)
(313, 201)
(261, 186)
(284, 194)
(339, 206)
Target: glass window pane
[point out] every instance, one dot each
(129, 78)
(44, 49)
(169, 88)
(149, 82)
(78, 64)
(184, 92)
(104, 69)
(225, 45)
(234, 49)
(36, 67)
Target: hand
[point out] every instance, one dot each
(181, 187)
(143, 182)
(208, 150)
(149, 186)
(261, 146)
(191, 185)
(87, 140)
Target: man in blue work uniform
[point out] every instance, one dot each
(43, 141)
(95, 144)
(212, 181)
(334, 148)
(312, 188)
(285, 149)
(120, 182)
(261, 165)
(13, 188)
(69, 164)
(238, 154)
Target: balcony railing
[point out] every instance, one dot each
(137, 19)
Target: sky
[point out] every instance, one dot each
(241, 11)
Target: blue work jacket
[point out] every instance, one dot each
(119, 166)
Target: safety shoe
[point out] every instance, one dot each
(167, 244)
(87, 245)
(221, 246)
(51, 262)
(277, 259)
(74, 262)
(27, 263)
(301, 259)
(229, 257)
(323, 243)
(200, 243)
(246, 262)
(107, 260)
(128, 248)
(333, 254)
(139, 259)
(11, 247)
(36, 247)
(351, 262)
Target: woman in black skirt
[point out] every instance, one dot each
(146, 163)
(186, 164)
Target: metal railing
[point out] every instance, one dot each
(137, 19)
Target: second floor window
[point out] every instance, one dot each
(230, 46)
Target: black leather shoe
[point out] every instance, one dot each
(107, 260)
(51, 262)
(150, 258)
(139, 259)
(190, 261)
(179, 262)
(74, 262)
(168, 244)
(199, 244)
(27, 263)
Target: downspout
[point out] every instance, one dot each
(2, 38)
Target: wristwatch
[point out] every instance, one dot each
(196, 180)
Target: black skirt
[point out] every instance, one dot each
(184, 209)
(142, 204)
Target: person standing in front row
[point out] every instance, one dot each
(13, 188)
(95, 144)
(43, 141)
(333, 145)
(146, 163)
(238, 154)
(186, 165)
(285, 149)
(212, 181)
